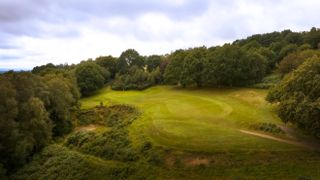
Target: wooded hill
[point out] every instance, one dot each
(37, 107)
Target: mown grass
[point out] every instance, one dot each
(175, 133)
(189, 123)
(206, 120)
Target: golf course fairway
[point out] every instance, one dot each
(200, 120)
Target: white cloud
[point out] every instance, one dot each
(156, 32)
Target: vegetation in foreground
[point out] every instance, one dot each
(120, 141)
(202, 131)
(169, 139)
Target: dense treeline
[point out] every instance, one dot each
(298, 96)
(37, 106)
(33, 110)
(242, 63)
(255, 60)
(229, 65)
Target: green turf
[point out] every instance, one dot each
(194, 134)
(206, 120)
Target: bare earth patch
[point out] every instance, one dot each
(90, 127)
(187, 160)
(196, 161)
(296, 143)
(170, 160)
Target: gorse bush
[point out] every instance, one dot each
(94, 154)
(56, 162)
(112, 144)
(114, 116)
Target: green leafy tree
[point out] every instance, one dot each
(35, 128)
(156, 76)
(62, 98)
(232, 66)
(298, 97)
(136, 78)
(290, 48)
(294, 60)
(153, 62)
(109, 63)
(192, 69)
(90, 77)
(128, 59)
(257, 67)
(252, 45)
(304, 47)
(270, 56)
(173, 70)
(313, 38)
(24, 119)
(8, 126)
(294, 38)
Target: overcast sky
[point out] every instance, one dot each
(36, 32)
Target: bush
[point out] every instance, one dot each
(113, 116)
(268, 127)
(113, 144)
(294, 60)
(110, 145)
(56, 162)
(268, 81)
(137, 79)
(298, 97)
(90, 77)
(3, 172)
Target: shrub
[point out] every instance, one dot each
(268, 81)
(70, 165)
(298, 97)
(268, 127)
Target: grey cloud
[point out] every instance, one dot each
(29, 17)
(4, 57)
(6, 46)
(68, 10)
(211, 21)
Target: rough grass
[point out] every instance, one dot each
(206, 120)
(179, 134)
(57, 162)
(200, 132)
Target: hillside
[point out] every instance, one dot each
(186, 133)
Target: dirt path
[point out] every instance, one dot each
(296, 143)
(90, 127)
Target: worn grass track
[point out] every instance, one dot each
(201, 120)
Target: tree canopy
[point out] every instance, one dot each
(90, 77)
(298, 96)
(33, 110)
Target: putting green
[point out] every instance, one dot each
(205, 120)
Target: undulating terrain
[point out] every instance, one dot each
(180, 133)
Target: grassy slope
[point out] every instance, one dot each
(196, 123)
(195, 133)
(198, 120)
